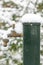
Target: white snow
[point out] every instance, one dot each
(27, 18)
(7, 25)
(4, 33)
(18, 27)
(6, 0)
(1, 53)
(32, 18)
(17, 56)
(40, 1)
(33, 1)
(31, 6)
(4, 48)
(23, 3)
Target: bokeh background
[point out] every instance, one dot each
(11, 29)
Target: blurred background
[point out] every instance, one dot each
(11, 29)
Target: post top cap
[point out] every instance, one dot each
(32, 18)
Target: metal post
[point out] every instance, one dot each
(31, 44)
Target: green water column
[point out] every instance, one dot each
(31, 43)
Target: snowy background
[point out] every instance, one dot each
(12, 14)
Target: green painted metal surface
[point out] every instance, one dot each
(31, 43)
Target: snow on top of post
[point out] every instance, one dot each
(32, 18)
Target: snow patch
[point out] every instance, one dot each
(18, 27)
(32, 18)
